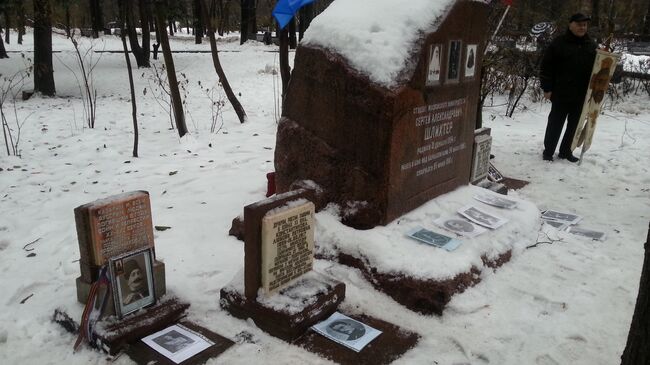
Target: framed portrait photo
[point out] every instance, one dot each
(433, 70)
(453, 61)
(470, 61)
(132, 281)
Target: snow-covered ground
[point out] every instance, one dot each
(569, 302)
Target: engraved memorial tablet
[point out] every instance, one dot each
(481, 157)
(287, 245)
(112, 226)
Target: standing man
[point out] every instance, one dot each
(564, 76)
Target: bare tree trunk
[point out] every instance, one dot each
(224, 12)
(177, 102)
(293, 42)
(646, 24)
(141, 59)
(20, 13)
(145, 19)
(3, 51)
(68, 31)
(248, 22)
(7, 24)
(637, 351)
(198, 23)
(96, 17)
(134, 108)
(285, 69)
(306, 16)
(43, 71)
(241, 114)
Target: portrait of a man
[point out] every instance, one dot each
(346, 329)
(173, 341)
(134, 281)
(459, 225)
(470, 64)
(453, 66)
(433, 73)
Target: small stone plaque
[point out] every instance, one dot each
(287, 245)
(481, 157)
(112, 226)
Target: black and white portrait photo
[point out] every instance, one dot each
(433, 238)
(453, 64)
(460, 226)
(177, 343)
(496, 201)
(346, 331)
(568, 218)
(594, 235)
(481, 217)
(430, 237)
(470, 63)
(433, 72)
(173, 341)
(132, 281)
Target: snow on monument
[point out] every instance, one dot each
(380, 111)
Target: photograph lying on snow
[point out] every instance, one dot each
(177, 343)
(496, 201)
(568, 218)
(460, 226)
(346, 331)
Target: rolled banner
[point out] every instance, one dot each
(601, 73)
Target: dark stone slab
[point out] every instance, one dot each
(282, 323)
(142, 354)
(253, 215)
(386, 348)
(425, 296)
(110, 227)
(375, 151)
(114, 335)
(514, 184)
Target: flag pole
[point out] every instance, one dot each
(500, 23)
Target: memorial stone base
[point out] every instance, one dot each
(113, 335)
(289, 313)
(424, 278)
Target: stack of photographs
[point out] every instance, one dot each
(346, 331)
(460, 226)
(177, 343)
(481, 217)
(566, 222)
(433, 238)
(568, 218)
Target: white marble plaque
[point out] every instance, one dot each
(481, 157)
(287, 244)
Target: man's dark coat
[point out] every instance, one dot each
(566, 67)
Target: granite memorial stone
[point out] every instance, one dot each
(385, 150)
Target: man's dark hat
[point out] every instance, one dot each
(579, 17)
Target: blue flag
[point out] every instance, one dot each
(285, 9)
